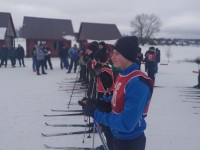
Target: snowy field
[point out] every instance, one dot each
(173, 119)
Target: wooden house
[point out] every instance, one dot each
(7, 30)
(97, 32)
(53, 32)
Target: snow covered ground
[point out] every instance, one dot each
(173, 119)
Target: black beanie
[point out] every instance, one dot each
(92, 47)
(102, 43)
(95, 42)
(100, 56)
(128, 47)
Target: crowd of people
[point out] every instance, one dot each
(13, 54)
(118, 102)
(118, 92)
(41, 56)
(72, 57)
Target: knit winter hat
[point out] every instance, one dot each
(100, 56)
(127, 47)
(95, 42)
(92, 47)
(102, 43)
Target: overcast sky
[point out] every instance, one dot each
(180, 18)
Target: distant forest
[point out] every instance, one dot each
(176, 42)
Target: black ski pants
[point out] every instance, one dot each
(137, 143)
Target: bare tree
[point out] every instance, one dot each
(145, 26)
(168, 53)
(18, 31)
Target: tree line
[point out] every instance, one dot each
(145, 26)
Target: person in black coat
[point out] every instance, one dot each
(4, 55)
(63, 54)
(150, 60)
(47, 52)
(157, 58)
(139, 58)
(12, 55)
(20, 55)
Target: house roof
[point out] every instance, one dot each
(45, 28)
(97, 31)
(5, 20)
(4, 17)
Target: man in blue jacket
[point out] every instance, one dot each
(130, 100)
(74, 57)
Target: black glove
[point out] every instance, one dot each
(103, 106)
(83, 101)
(89, 108)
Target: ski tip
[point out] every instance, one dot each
(194, 71)
(46, 124)
(165, 64)
(43, 134)
(157, 86)
(46, 146)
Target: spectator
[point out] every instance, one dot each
(20, 55)
(34, 59)
(150, 60)
(139, 58)
(40, 56)
(157, 58)
(74, 57)
(4, 56)
(47, 52)
(12, 56)
(63, 54)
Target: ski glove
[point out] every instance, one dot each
(89, 108)
(87, 100)
(100, 105)
(83, 101)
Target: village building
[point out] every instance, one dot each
(97, 32)
(53, 32)
(7, 30)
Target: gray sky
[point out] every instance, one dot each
(180, 18)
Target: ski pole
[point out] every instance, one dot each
(85, 130)
(105, 146)
(72, 92)
(89, 129)
(91, 96)
(96, 126)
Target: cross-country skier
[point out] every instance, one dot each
(130, 100)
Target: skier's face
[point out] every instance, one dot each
(119, 61)
(88, 51)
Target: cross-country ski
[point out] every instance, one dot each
(66, 133)
(75, 114)
(67, 148)
(67, 110)
(69, 125)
